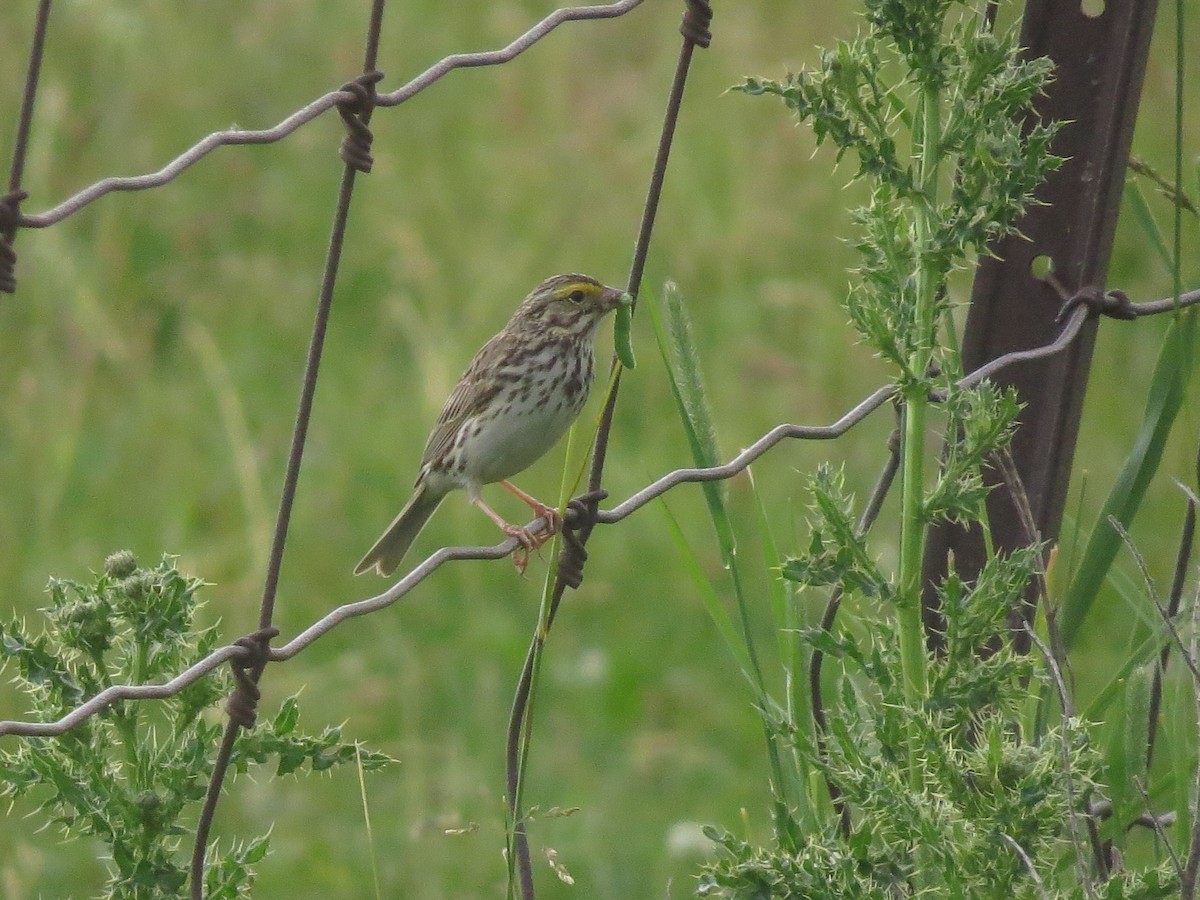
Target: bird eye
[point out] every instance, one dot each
(576, 296)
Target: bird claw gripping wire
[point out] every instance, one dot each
(356, 146)
(696, 19)
(1114, 304)
(10, 218)
(242, 705)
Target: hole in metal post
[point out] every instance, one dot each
(1093, 9)
(1042, 267)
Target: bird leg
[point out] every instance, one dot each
(553, 525)
(529, 541)
(521, 533)
(554, 519)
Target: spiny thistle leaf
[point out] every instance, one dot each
(130, 774)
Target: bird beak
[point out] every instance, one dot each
(614, 298)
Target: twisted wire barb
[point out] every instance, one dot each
(319, 106)
(621, 511)
(10, 212)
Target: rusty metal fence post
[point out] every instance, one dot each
(1100, 62)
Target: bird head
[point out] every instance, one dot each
(571, 303)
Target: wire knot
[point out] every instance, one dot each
(580, 517)
(10, 220)
(1114, 304)
(356, 112)
(242, 704)
(696, 19)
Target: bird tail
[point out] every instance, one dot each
(391, 547)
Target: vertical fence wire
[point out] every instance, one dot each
(356, 155)
(10, 204)
(697, 17)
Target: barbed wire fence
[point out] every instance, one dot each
(355, 102)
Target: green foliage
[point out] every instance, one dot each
(980, 422)
(128, 775)
(962, 681)
(943, 792)
(229, 875)
(837, 555)
(858, 870)
(820, 868)
(983, 788)
(293, 750)
(986, 92)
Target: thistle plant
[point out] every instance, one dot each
(946, 788)
(130, 776)
(952, 153)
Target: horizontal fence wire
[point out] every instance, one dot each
(319, 106)
(1071, 328)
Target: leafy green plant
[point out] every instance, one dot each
(957, 101)
(129, 775)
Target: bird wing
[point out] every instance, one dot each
(472, 392)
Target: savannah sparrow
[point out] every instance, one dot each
(518, 396)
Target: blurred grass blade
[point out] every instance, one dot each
(242, 448)
(683, 370)
(691, 383)
(716, 610)
(370, 834)
(1097, 710)
(1137, 720)
(1172, 373)
(794, 657)
(1145, 219)
(1126, 752)
(785, 619)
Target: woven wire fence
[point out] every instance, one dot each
(356, 102)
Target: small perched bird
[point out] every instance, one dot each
(518, 396)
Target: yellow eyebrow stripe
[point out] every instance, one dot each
(570, 287)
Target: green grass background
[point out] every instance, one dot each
(150, 363)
